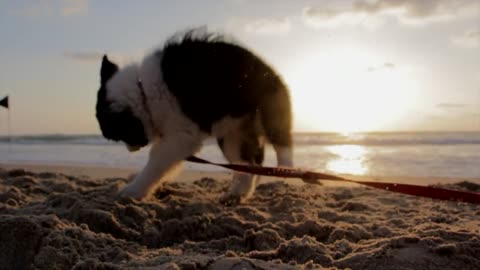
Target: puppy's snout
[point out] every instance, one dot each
(133, 148)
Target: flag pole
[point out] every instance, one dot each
(4, 102)
(9, 133)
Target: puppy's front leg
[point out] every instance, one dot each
(164, 156)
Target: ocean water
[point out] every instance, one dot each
(430, 154)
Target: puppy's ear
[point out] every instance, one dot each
(107, 70)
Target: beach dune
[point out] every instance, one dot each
(63, 218)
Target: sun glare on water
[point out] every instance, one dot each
(350, 159)
(348, 90)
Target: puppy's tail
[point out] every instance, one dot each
(276, 119)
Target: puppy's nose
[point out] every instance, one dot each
(132, 148)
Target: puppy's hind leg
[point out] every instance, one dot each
(276, 119)
(284, 155)
(165, 156)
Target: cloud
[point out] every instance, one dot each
(269, 26)
(120, 58)
(45, 8)
(334, 16)
(385, 66)
(84, 56)
(451, 105)
(373, 13)
(74, 7)
(467, 39)
(261, 26)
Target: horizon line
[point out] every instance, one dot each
(294, 132)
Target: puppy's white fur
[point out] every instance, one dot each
(173, 136)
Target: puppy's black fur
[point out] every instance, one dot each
(212, 79)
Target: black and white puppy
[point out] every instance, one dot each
(195, 87)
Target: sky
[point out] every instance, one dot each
(351, 65)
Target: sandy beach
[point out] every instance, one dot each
(60, 217)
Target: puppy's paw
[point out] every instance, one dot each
(131, 191)
(131, 177)
(230, 199)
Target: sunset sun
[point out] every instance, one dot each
(349, 90)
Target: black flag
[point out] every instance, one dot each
(4, 102)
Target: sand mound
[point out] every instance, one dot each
(55, 221)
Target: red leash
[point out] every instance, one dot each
(314, 178)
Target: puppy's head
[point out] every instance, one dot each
(113, 111)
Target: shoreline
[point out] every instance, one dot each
(103, 171)
(188, 175)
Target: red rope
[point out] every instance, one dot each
(314, 177)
